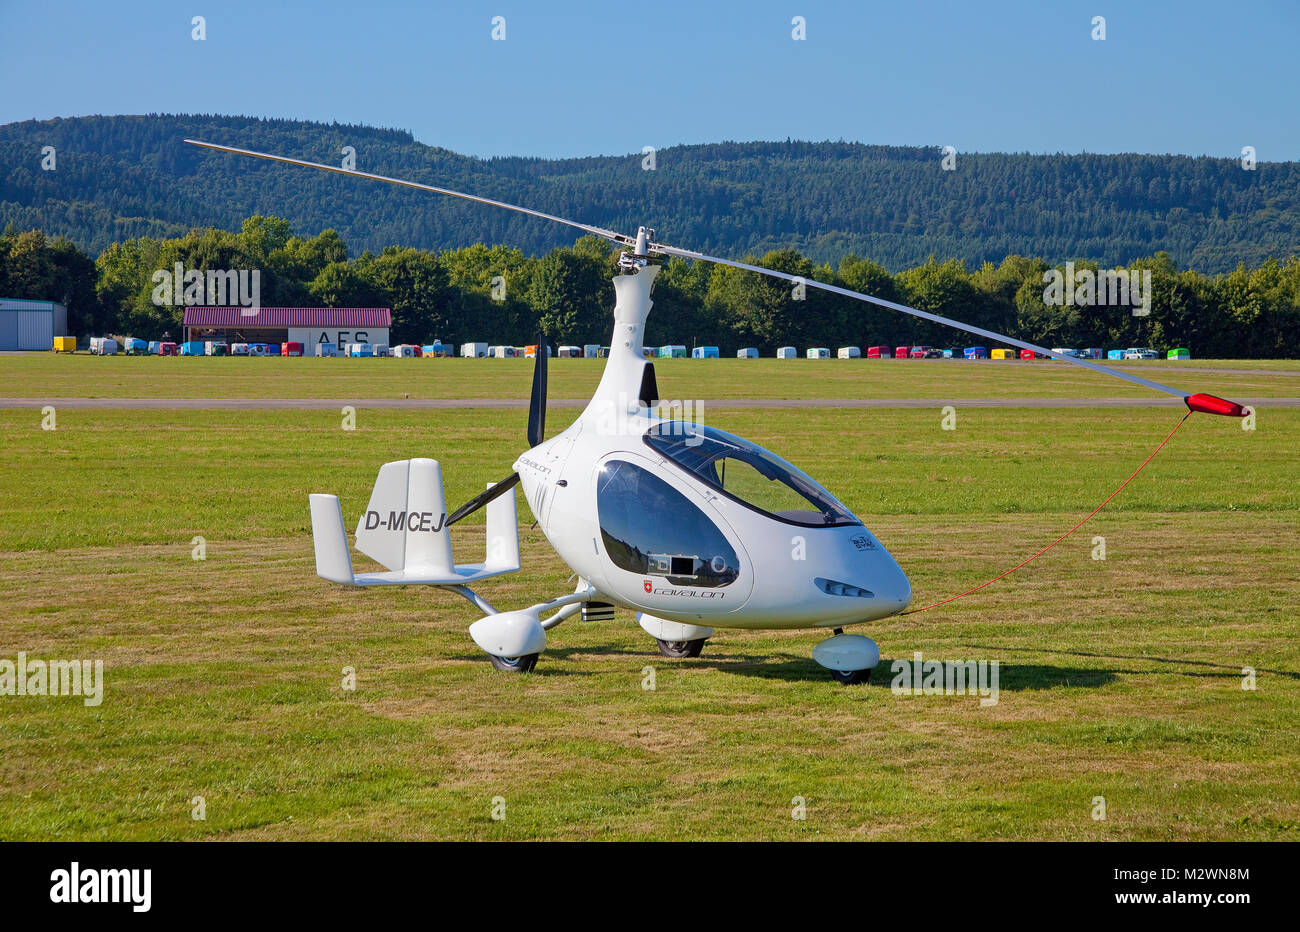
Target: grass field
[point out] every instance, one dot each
(84, 376)
(1120, 678)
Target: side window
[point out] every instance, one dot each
(651, 529)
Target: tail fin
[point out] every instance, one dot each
(405, 525)
(332, 559)
(502, 535)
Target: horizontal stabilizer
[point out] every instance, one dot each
(404, 529)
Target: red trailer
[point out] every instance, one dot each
(902, 352)
(167, 349)
(291, 349)
(1027, 354)
(879, 352)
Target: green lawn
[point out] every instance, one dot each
(1120, 678)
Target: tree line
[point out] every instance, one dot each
(109, 178)
(498, 294)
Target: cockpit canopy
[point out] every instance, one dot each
(748, 474)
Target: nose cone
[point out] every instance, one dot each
(893, 590)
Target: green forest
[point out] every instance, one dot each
(500, 294)
(102, 180)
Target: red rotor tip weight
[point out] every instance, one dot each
(1213, 404)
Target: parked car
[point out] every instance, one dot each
(918, 352)
(1140, 352)
(929, 352)
(1092, 352)
(238, 349)
(1063, 351)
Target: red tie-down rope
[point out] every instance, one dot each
(1029, 560)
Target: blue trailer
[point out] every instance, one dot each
(193, 348)
(976, 352)
(704, 352)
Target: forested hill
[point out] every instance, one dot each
(126, 176)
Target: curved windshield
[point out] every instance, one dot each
(651, 529)
(749, 474)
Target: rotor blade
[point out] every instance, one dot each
(598, 231)
(537, 403)
(926, 315)
(482, 498)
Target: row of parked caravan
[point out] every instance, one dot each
(107, 346)
(969, 352)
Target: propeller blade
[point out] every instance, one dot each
(641, 246)
(598, 231)
(925, 315)
(482, 498)
(537, 404)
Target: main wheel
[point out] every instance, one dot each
(850, 677)
(681, 648)
(522, 664)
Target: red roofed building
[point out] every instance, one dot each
(305, 325)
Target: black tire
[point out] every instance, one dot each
(522, 664)
(851, 677)
(681, 649)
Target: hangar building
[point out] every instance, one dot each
(305, 325)
(31, 325)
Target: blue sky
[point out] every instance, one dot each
(608, 77)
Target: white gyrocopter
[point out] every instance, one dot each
(686, 525)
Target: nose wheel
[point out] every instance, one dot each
(681, 648)
(848, 657)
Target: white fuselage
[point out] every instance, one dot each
(651, 535)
